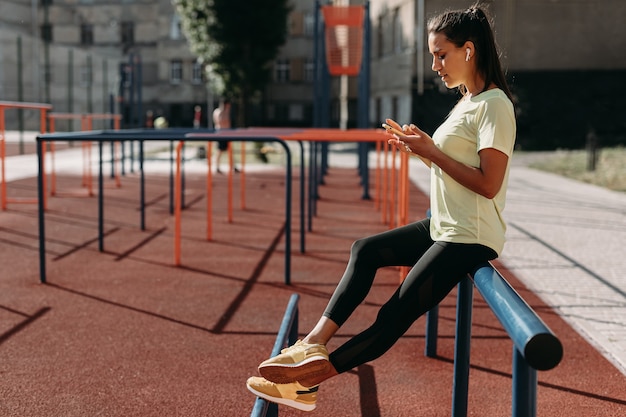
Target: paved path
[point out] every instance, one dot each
(566, 241)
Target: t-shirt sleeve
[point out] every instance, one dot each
(496, 126)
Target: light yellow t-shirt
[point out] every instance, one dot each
(457, 213)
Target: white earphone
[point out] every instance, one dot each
(467, 56)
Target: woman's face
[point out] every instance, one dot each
(448, 60)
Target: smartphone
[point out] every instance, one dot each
(392, 129)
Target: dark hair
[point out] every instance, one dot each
(473, 25)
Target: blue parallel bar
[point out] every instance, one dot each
(535, 341)
(524, 387)
(287, 336)
(432, 328)
(535, 347)
(159, 135)
(460, 382)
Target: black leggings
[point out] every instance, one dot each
(437, 267)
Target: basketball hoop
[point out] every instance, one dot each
(344, 38)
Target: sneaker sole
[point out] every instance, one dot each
(288, 373)
(284, 401)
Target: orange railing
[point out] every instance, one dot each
(86, 124)
(5, 105)
(391, 172)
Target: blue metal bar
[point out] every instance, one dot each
(524, 387)
(287, 336)
(100, 200)
(302, 197)
(363, 101)
(149, 134)
(535, 341)
(432, 328)
(460, 383)
(142, 184)
(40, 206)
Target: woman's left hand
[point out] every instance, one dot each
(413, 141)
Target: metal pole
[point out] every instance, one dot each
(40, 209)
(460, 382)
(524, 387)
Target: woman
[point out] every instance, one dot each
(469, 160)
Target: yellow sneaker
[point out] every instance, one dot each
(293, 395)
(295, 363)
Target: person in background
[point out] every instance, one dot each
(221, 120)
(469, 157)
(197, 116)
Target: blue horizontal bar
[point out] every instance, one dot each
(532, 338)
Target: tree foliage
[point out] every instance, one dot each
(237, 39)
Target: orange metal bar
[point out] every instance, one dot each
(178, 186)
(387, 185)
(242, 178)
(43, 109)
(53, 175)
(86, 124)
(393, 190)
(377, 176)
(3, 185)
(209, 193)
(43, 113)
(230, 182)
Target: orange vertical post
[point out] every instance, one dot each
(177, 204)
(230, 182)
(43, 115)
(242, 178)
(209, 193)
(3, 186)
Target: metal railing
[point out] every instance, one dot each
(4, 106)
(287, 335)
(535, 345)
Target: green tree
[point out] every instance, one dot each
(238, 40)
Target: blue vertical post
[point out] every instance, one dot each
(363, 101)
(432, 328)
(100, 200)
(142, 186)
(524, 387)
(460, 385)
(131, 107)
(41, 208)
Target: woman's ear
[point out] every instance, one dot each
(469, 50)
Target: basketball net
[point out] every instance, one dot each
(344, 38)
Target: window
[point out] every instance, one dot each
(85, 76)
(46, 32)
(197, 73)
(309, 24)
(126, 74)
(309, 70)
(176, 71)
(127, 33)
(396, 35)
(86, 34)
(281, 70)
(296, 112)
(379, 37)
(296, 22)
(176, 31)
(296, 71)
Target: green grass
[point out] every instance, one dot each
(610, 169)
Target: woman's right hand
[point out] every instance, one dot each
(413, 140)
